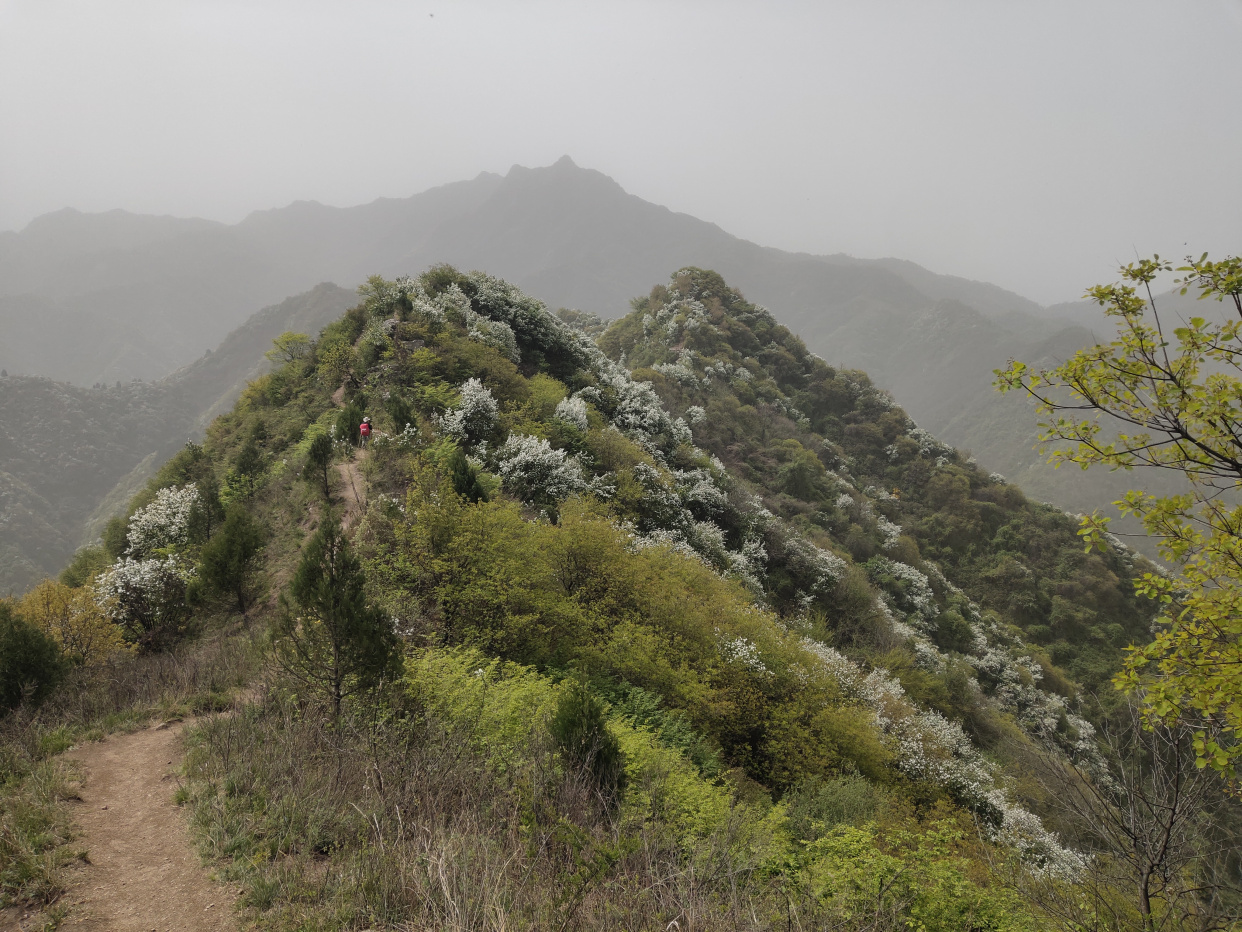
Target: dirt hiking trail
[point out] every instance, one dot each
(142, 872)
(353, 489)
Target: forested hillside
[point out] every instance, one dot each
(683, 628)
(71, 456)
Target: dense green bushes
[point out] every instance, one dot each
(30, 663)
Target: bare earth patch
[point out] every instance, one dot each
(353, 489)
(142, 872)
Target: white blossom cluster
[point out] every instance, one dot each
(377, 332)
(675, 317)
(928, 444)
(674, 540)
(915, 595)
(930, 747)
(639, 411)
(406, 440)
(678, 372)
(164, 523)
(745, 653)
(495, 333)
(889, 532)
(475, 413)
(139, 593)
(823, 567)
(533, 470)
(699, 491)
(573, 410)
(1010, 679)
(695, 415)
(749, 565)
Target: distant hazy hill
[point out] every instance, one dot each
(97, 297)
(89, 298)
(65, 451)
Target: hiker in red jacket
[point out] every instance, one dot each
(364, 432)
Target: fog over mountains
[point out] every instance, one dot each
(102, 298)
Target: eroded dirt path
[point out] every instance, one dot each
(143, 874)
(353, 489)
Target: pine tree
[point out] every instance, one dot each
(30, 663)
(227, 561)
(319, 462)
(466, 478)
(581, 732)
(337, 642)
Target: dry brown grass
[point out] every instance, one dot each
(396, 822)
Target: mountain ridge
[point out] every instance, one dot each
(571, 237)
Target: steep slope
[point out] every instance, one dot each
(63, 448)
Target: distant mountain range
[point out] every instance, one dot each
(102, 298)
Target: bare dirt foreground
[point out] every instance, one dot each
(142, 873)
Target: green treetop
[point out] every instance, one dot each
(1173, 397)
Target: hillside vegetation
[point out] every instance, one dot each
(686, 629)
(71, 456)
(90, 298)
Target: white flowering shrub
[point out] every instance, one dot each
(661, 507)
(406, 440)
(749, 565)
(534, 329)
(910, 589)
(695, 415)
(678, 372)
(497, 334)
(928, 444)
(452, 304)
(889, 532)
(146, 597)
(639, 411)
(475, 414)
(378, 332)
(163, 524)
(674, 540)
(699, 492)
(817, 570)
(680, 431)
(930, 747)
(531, 469)
(744, 653)
(573, 410)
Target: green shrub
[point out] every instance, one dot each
(339, 644)
(465, 477)
(319, 462)
(582, 735)
(228, 561)
(30, 663)
(347, 423)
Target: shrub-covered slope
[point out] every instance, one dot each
(832, 454)
(64, 449)
(687, 620)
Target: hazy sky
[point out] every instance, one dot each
(1034, 144)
